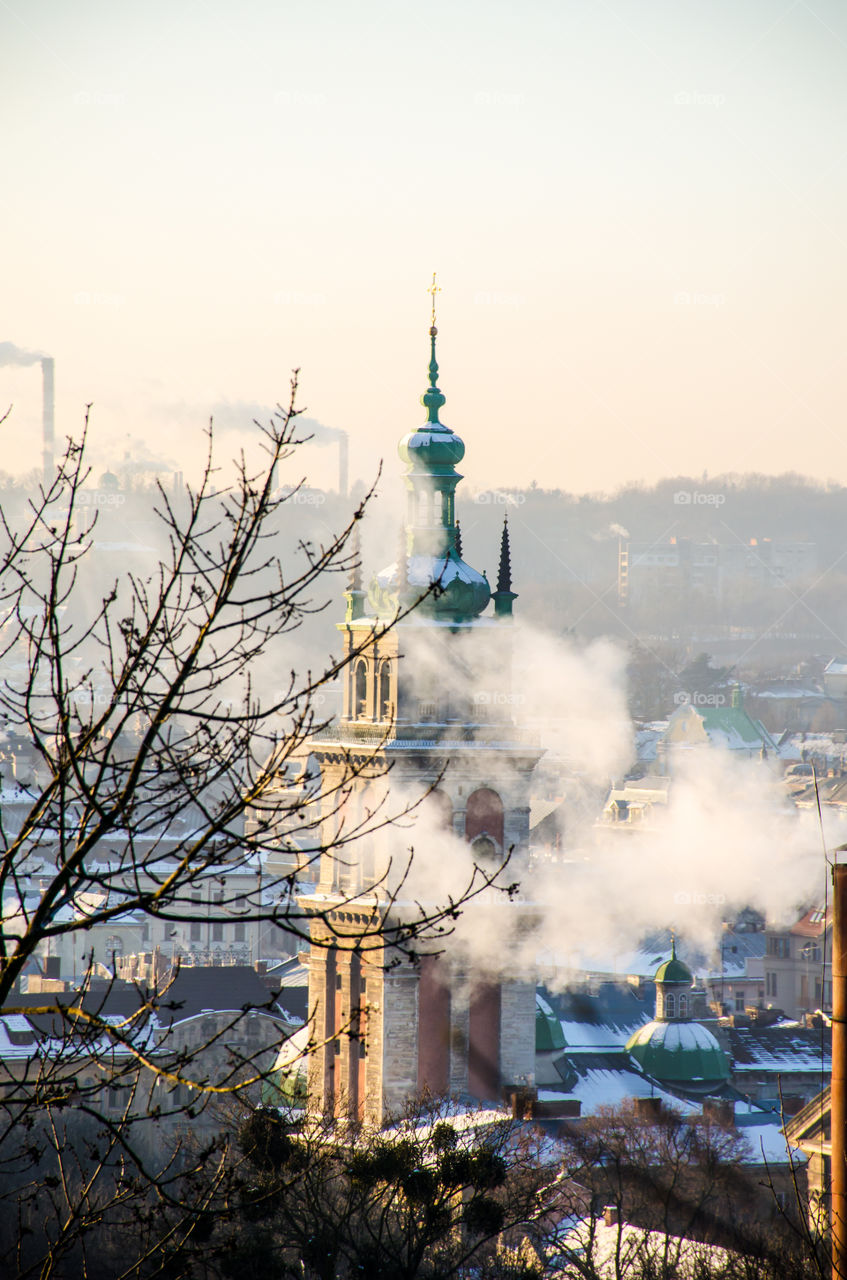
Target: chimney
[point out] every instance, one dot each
(719, 1111)
(611, 1215)
(647, 1108)
(343, 464)
(48, 411)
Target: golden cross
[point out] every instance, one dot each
(433, 289)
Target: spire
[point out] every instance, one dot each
(504, 574)
(458, 542)
(504, 595)
(433, 399)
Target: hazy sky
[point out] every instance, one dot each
(636, 209)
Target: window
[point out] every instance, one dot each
(217, 932)
(241, 931)
(484, 816)
(683, 1006)
(670, 1005)
(770, 979)
(360, 690)
(385, 704)
(484, 849)
(739, 1002)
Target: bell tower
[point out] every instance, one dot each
(426, 710)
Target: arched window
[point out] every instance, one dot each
(484, 851)
(360, 690)
(438, 808)
(683, 1006)
(670, 1006)
(484, 816)
(386, 706)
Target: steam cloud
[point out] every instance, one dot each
(727, 839)
(12, 355)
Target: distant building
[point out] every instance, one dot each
(738, 981)
(731, 728)
(635, 805)
(798, 964)
(683, 566)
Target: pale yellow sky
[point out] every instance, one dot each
(636, 209)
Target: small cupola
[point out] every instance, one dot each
(674, 981)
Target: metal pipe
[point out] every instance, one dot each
(838, 1090)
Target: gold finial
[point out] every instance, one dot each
(433, 289)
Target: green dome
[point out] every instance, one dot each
(674, 970)
(463, 593)
(430, 447)
(679, 1053)
(548, 1032)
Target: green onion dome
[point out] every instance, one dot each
(679, 1053)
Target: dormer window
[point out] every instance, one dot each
(670, 1005)
(683, 1006)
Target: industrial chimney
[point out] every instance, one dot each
(48, 411)
(343, 447)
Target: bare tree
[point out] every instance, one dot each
(165, 787)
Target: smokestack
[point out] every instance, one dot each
(838, 1082)
(47, 371)
(343, 449)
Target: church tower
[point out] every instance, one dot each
(426, 711)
